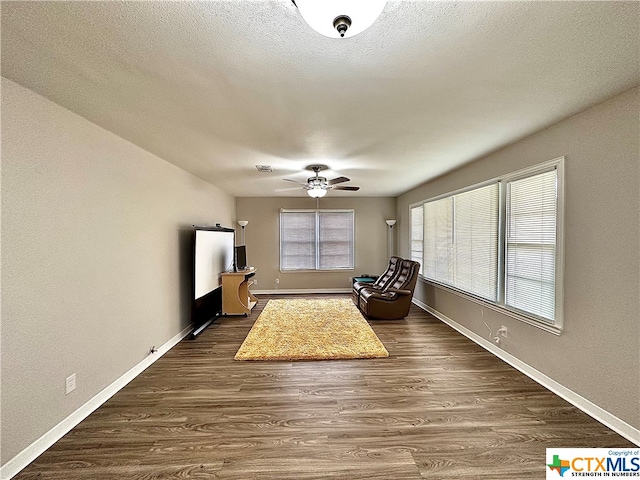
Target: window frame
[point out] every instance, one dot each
(557, 325)
(317, 243)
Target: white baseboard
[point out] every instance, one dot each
(614, 423)
(299, 291)
(29, 454)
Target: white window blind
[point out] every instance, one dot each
(297, 240)
(316, 240)
(438, 241)
(336, 240)
(530, 263)
(417, 236)
(502, 243)
(476, 241)
(461, 241)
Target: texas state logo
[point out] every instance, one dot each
(593, 462)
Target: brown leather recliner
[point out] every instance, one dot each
(381, 282)
(394, 301)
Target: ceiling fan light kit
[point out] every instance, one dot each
(316, 192)
(340, 18)
(318, 186)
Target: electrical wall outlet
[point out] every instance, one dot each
(70, 384)
(255, 282)
(502, 331)
(277, 281)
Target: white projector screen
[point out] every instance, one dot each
(213, 255)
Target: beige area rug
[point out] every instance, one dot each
(304, 329)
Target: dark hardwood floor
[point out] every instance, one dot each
(440, 407)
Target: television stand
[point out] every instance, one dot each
(237, 299)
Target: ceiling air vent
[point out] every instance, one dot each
(264, 168)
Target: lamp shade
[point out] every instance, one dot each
(316, 192)
(243, 223)
(327, 16)
(391, 223)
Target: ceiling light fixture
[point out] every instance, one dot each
(340, 18)
(316, 192)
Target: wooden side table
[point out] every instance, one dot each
(237, 299)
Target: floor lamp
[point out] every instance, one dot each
(243, 223)
(390, 223)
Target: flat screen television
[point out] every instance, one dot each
(241, 258)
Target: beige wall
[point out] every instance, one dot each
(598, 354)
(262, 239)
(95, 259)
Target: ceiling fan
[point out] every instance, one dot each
(318, 186)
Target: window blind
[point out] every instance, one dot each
(417, 236)
(476, 241)
(336, 240)
(501, 242)
(316, 240)
(297, 240)
(530, 263)
(438, 240)
(461, 241)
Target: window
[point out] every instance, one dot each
(500, 243)
(417, 236)
(316, 239)
(530, 261)
(461, 241)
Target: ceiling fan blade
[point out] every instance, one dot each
(289, 189)
(351, 189)
(294, 181)
(333, 181)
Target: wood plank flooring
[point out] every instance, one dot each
(440, 407)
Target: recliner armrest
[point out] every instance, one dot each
(400, 291)
(380, 295)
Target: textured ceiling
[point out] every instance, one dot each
(219, 87)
